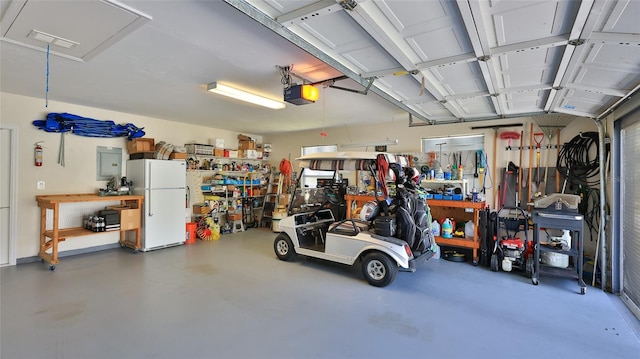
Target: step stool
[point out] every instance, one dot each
(237, 226)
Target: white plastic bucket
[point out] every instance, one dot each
(555, 259)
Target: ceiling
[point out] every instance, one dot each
(423, 62)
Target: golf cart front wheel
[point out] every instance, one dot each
(283, 247)
(378, 269)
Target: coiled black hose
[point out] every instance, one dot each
(578, 160)
(579, 164)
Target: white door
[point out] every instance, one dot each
(7, 178)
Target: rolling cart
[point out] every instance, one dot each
(558, 211)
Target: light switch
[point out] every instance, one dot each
(40, 184)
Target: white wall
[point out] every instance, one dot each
(287, 145)
(79, 174)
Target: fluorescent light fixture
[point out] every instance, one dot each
(242, 95)
(386, 142)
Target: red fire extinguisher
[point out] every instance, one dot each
(38, 154)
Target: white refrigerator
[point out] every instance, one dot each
(163, 185)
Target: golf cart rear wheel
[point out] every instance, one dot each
(283, 247)
(378, 269)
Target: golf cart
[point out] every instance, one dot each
(312, 230)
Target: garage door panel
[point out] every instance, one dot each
(455, 77)
(476, 107)
(440, 43)
(516, 21)
(624, 18)
(406, 86)
(583, 101)
(337, 31)
(531, 100)
(405, 15)
(630, 212)
(434, 109)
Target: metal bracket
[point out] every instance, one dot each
(576, 42)
(348, 4)
(484, 58)
(363, 92)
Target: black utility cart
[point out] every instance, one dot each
(560, 212)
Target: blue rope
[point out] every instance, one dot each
(46, 92)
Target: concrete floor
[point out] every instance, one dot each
(232, 298)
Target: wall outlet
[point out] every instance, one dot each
(40, 185)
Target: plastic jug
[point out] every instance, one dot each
(435, 228)
(447, 229)
(469, 229)
(566, 239)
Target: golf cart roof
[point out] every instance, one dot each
(343, 160)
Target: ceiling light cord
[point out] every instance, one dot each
(46, 90)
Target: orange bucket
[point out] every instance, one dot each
(190, 236)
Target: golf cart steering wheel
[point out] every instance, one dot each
(331, 197)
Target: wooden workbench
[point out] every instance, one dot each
(49, 238)
(460, 211)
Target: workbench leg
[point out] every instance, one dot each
(54, 248)
(43, 228)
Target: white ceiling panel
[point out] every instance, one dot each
(441, 61)
(108, 21)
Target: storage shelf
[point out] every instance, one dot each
(569, 272)
(74, 232)
(464, 183)
(228, 158)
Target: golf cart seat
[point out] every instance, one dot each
(349, 227)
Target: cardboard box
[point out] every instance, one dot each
(217, 142)
(284, 199)
(129, 217)
(233, 154)
(246, 145)
(218, 152)
(241, 153)
(244, 138)
(137, 145)
(252, 154)
(178, 156)
(234, 216)
(142, 155)
(200, 208)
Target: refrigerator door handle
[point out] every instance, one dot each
(149, 197)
